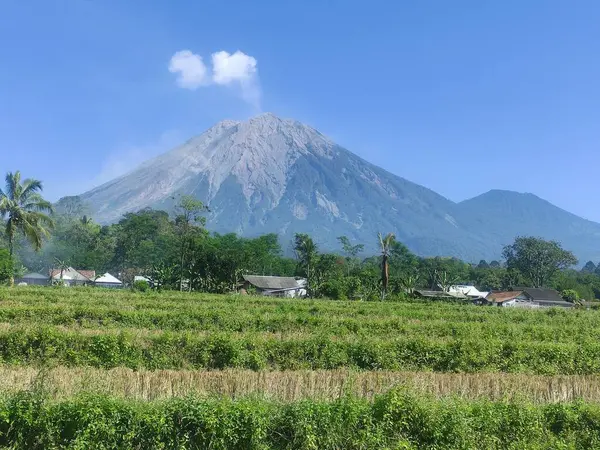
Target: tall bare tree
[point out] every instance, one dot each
(386, 243)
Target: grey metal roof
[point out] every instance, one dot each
(35, 276)
(268, 282)
(438, 294)
(546, 295)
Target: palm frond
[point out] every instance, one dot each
(13, 184)
(37, 203)
(30, 186)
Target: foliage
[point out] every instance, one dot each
(537, 260)
(140, 286)
(306, 254)
(23, 207)
(6, 266)
(172, 330)
(398, 419)
(570, 295)
(178, 253)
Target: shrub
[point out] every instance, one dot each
(141, 286)
(570, 295)
(6, 266)
(398, 420)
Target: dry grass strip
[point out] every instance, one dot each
(63, 382)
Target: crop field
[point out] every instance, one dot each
(91, 368)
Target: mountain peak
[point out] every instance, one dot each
(266, 117)
(271, 174)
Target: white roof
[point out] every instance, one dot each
(70, 274)
(470, 291)
(108, 278)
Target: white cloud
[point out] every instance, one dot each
(230, 68)
(236, 70)
(192, 72)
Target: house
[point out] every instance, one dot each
(468, 290)
(528, 298)
(423, 293)
(73, 277)
(33, 279)
(511, 298)
(275, 286)
(108, 281)
(547, 297)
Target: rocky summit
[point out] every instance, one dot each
(269, 174)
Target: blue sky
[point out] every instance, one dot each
(461, 96)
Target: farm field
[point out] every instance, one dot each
(104, 368)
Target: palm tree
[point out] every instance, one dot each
(23, 208)
(62, 265)
(409, 282)
(445, 281)
(386, 246)
(85, 220)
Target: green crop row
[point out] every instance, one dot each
(396, 420)
(87, 308)
(241, 322)
(258, 351)
(258, 306)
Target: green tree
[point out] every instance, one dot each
(306, 254)
(24, 208)
(189, 222)
(143, 240)
(402, 260)
(6, 266)
(537, 260)
(589, 267)
(351, 252)
(483, 264)
(489, 280)
(385, 243)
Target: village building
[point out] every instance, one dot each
(72, 277)
(468, 290)
(33, 279)
(108, 281)
(425, 293)
(289, 287)
(528, 298)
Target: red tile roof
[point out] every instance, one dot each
(89, 274)
(500, 297)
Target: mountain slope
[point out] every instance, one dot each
(277, 175)
(502, 215)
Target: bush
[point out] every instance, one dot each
(570, 295)
(141, 286)
(6, 266)
(398, 420)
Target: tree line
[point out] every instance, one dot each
(177, 252)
